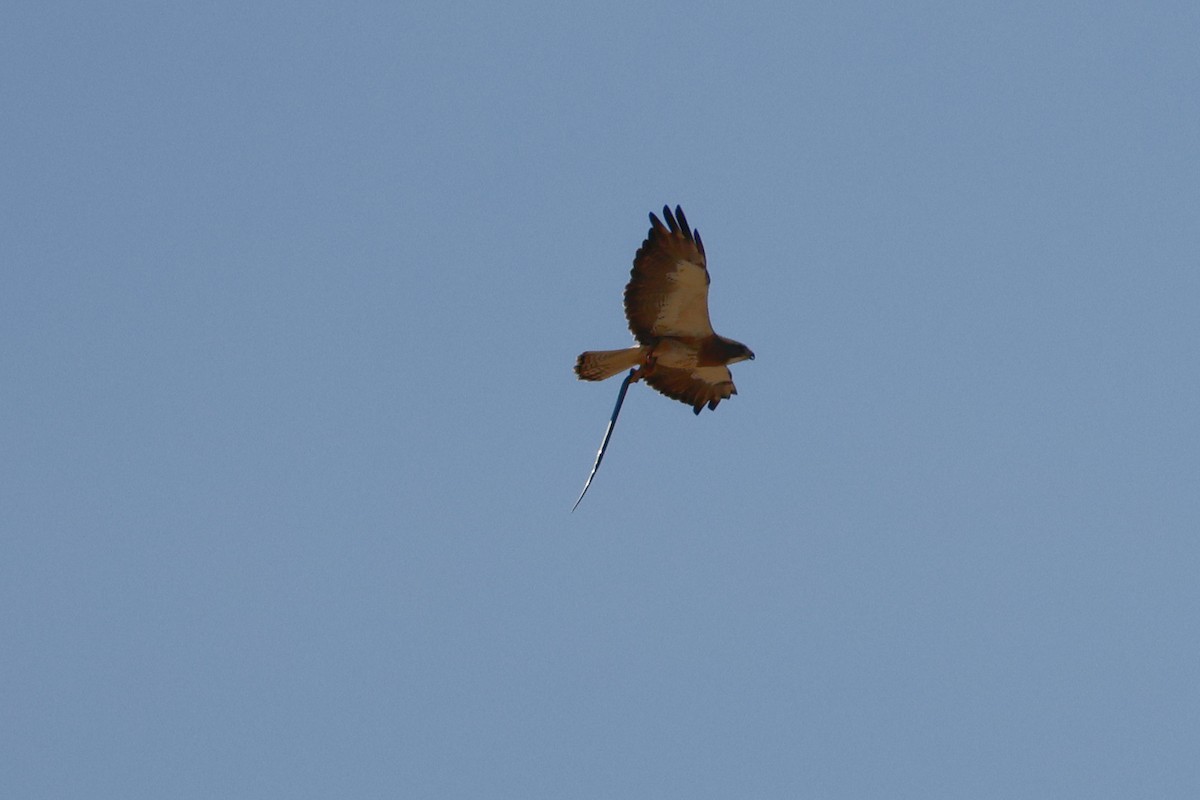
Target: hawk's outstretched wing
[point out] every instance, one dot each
(697, 387)
(667, 294)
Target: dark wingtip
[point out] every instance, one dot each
(670, 218)
(683, 223)
(676, 222)
(656, 225)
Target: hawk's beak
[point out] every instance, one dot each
(752, 356)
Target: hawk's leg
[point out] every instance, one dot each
(645, 369)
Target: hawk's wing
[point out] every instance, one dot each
(696, 387)
(667, 293)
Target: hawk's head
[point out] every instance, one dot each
(735, 351)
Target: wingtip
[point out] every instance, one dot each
(670, 219)
(676, 222)
(657, 226)
(683, 223)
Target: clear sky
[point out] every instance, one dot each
(290, 436)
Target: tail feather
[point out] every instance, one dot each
(596, 365)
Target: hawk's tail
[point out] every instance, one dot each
(596, 365)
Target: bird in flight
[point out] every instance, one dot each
(666, 303)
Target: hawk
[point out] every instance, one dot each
(666, 304)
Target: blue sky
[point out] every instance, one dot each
(292, 295)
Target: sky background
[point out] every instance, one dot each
(290, 435)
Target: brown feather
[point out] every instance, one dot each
(696, 387)
(598, 365)
(667, 294)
